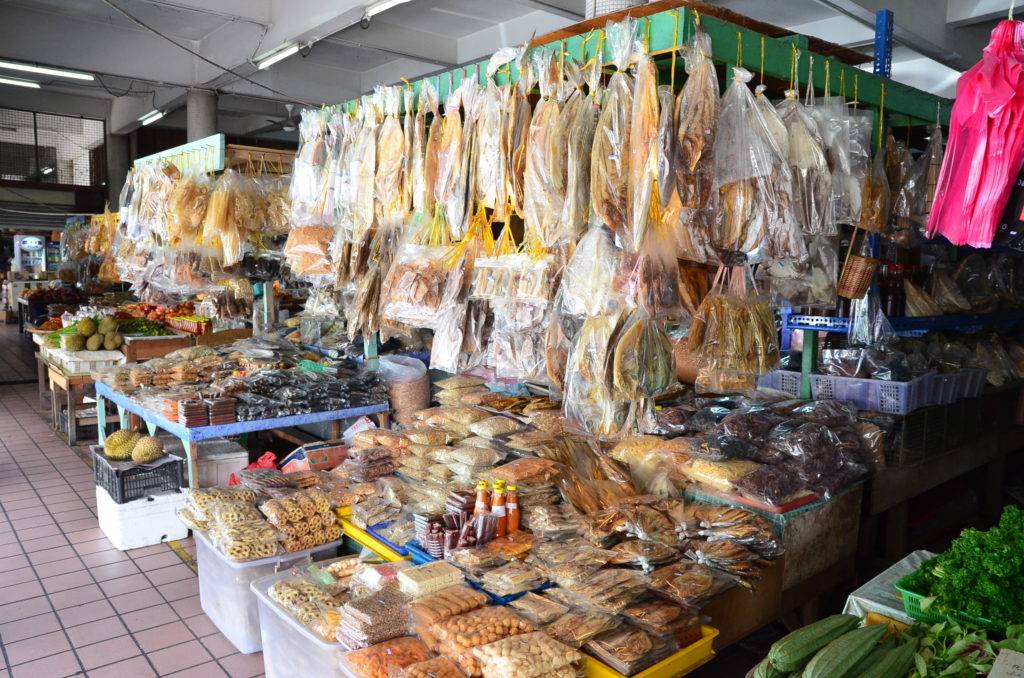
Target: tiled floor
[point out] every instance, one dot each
(17, 356)
(70, 603)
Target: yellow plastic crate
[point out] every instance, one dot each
(679, 664)
(367, 540)
(343, 511)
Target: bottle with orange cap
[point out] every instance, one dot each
(512, 510)
(483, 499)
(498, 508)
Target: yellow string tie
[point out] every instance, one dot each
(762, 59)
(881, 114)
(856, 85)
(739, 48)
(675, 48)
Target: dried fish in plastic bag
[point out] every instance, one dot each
(812, 180)
(643, 154)
(697, 114)
(609, 168)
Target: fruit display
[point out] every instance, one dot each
(52, 325)
(120, 444)
(145, 327)
(88, 335)
(47, 296)
(147, 450)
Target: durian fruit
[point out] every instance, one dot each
(72, 342)
(94, 343)
(119, 444)
(107, 325)
(147, 450)
(112, 341)
(87, 327)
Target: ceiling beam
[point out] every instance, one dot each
(551, 7)
(919, 26)
(967, 12)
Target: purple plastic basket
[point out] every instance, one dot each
(891, 397)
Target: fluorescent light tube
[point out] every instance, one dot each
(19, 82)
(280, 54)
(47, 170)
(382, 6)
(151, 117)
(60, 73)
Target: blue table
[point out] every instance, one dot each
(190, 437)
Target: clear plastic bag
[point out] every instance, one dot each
(587, 282)
(812, 180)
(609, 169)
(876, 202)
(697, 112)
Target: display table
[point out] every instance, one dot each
(880, 595)
(189, 437)
(73, 387)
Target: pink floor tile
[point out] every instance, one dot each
(36, 648)
(16, 592)
(149, 617)
(97, 631)
(14, 631)
(19, 576)
(55, 666)
(136, 667)
(166, 575)
(24, 608)
(108, 652)
(159, 637)
(180, 589)
(200, 625)
(133, 582)
(44, 543)
(243, 665)
(137, 600)
(59, 567)
(208, 670)
(179, 657)
(76, 596)
(114, 570)
(73, 616)
(218, 645)
(103, 558)
(155, 561)
(187, 607)
(67, 581)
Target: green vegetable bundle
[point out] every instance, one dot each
(954, 651)
(145, 327)
(53, 338)
(981, 574)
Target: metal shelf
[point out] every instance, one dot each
(910, 326)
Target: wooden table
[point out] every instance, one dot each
(72, 386)
(190, 437)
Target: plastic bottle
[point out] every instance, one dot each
(498, 511)
(512, 510)
(483, 499)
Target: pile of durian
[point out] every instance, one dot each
(93, 336)
(127, 444)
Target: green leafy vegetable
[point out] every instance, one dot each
(980, 574)
(951, 650)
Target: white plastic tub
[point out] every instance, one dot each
(289, 648)
(141, 522)
(224, 591)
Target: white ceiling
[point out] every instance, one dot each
(139, 71)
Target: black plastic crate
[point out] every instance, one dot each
(134, 482)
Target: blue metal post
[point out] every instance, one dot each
(883, 43)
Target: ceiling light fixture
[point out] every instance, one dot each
(47, 170)
(19, 82)
(382, 6)
(44, 70)
(277, 55)
(152, 116)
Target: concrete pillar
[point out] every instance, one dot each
(118, 163)
(201, 111)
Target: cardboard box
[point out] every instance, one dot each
(316, 456)
(8, 317)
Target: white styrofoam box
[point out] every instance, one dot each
(142, 522)
(289, 648)
(218, 458)
(224, 588)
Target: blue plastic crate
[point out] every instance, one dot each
(400, 550)
(891, 397)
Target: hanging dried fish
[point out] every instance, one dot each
(609, 165)
(491, 177)
(362, 167)
(644, 363)
(643, 153)
(449, 156)
(390, 156)
(458, 207)
(539, 190)
(666, 145)
(697, 115)
(408, 135)
(432, 148)
(581, 112)
(519, 116)
(812, 181)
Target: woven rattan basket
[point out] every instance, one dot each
(857, 272)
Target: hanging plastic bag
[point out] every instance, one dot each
(947, 295)
(697, 112)
(609, 169)
(875, 200)
(868, 324)
(810, 283)
(544, 187)
(812, 180)
(580, 114)
(514, 147)
(755, 217)
(587, 283)
(643, 154)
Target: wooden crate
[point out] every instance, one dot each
(138, 349)
(222, 337)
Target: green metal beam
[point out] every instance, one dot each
(669, 30)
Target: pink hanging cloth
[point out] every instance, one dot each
(986, 143)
